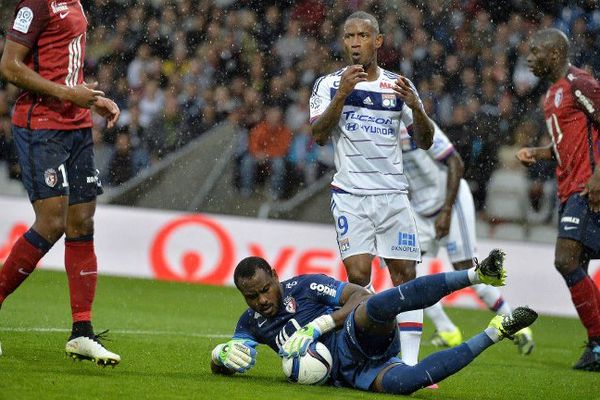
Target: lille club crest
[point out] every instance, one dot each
(50, 177)
(290, 304)
(558, 96)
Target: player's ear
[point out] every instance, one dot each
(378, 41)
(274, 274)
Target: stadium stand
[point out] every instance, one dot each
(179, 68)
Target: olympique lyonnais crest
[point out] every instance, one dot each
(290, 304)
(388, 100)
(50, 177)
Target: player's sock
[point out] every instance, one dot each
(414, 295)
(82, 328)
(586, 298)
(22, 260)
(410, 324)
(403, 379)
(440, 319)
(82, 268)
(492, 298)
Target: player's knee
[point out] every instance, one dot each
(565, 264)
(80, 227)
(359, 277)
(51, 227)
(400, 277)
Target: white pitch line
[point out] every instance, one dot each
(120, 332)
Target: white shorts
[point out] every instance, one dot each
(382, 225)
(460, 242)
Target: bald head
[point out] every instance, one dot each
(548, 54)
(553, 40)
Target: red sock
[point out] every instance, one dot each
(82, 268)
(21, 262)
(586, 299)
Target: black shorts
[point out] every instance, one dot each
(57, 163)
(576, 221)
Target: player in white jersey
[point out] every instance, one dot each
(361, 108)
(445, 215)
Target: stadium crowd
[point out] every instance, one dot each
(177, 68)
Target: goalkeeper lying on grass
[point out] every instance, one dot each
(358, 328)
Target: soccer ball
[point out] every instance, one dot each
(312, 368)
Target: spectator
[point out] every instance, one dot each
(121, 163)
(268, 145)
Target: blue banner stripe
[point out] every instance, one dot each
(358, 98)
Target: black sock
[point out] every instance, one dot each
(82, 328)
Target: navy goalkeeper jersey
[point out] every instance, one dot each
(303, 299)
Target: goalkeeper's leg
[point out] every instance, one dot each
(404, 379)
(425, 291)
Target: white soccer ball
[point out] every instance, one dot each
(313, 368)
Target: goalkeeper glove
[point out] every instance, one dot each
(298, 343)
(237, 355)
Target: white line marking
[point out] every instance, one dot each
(120, 332)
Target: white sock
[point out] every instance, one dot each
(492, 298)
(410, 324)
(473, 276)
(439, 318)
(493, 334)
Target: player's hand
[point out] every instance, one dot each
(592, 191)
(405, 90)
(350, 77)
(237, 355)
(527, 156)
(442, 223)
(107, 109)
(298, 343)
(84, 95)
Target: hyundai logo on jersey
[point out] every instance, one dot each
(351, 127)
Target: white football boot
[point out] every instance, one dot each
(85, 348)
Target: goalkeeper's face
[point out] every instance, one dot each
(262, 292)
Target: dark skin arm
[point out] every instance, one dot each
(422, 125)
(18, 73)
(530, 155)
(323, 127)
(351, 297)
(14, 70)
(592, 188)
(455, 173)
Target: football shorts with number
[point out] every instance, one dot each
(381, 225)
(57, 163)
(460, 241)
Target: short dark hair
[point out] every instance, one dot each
(248, 267)
(366, 16)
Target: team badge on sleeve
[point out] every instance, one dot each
(290, 304)
(50, 177)
(315, 102)
(23, 20)
(558, 96)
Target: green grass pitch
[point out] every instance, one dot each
(164, 332)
